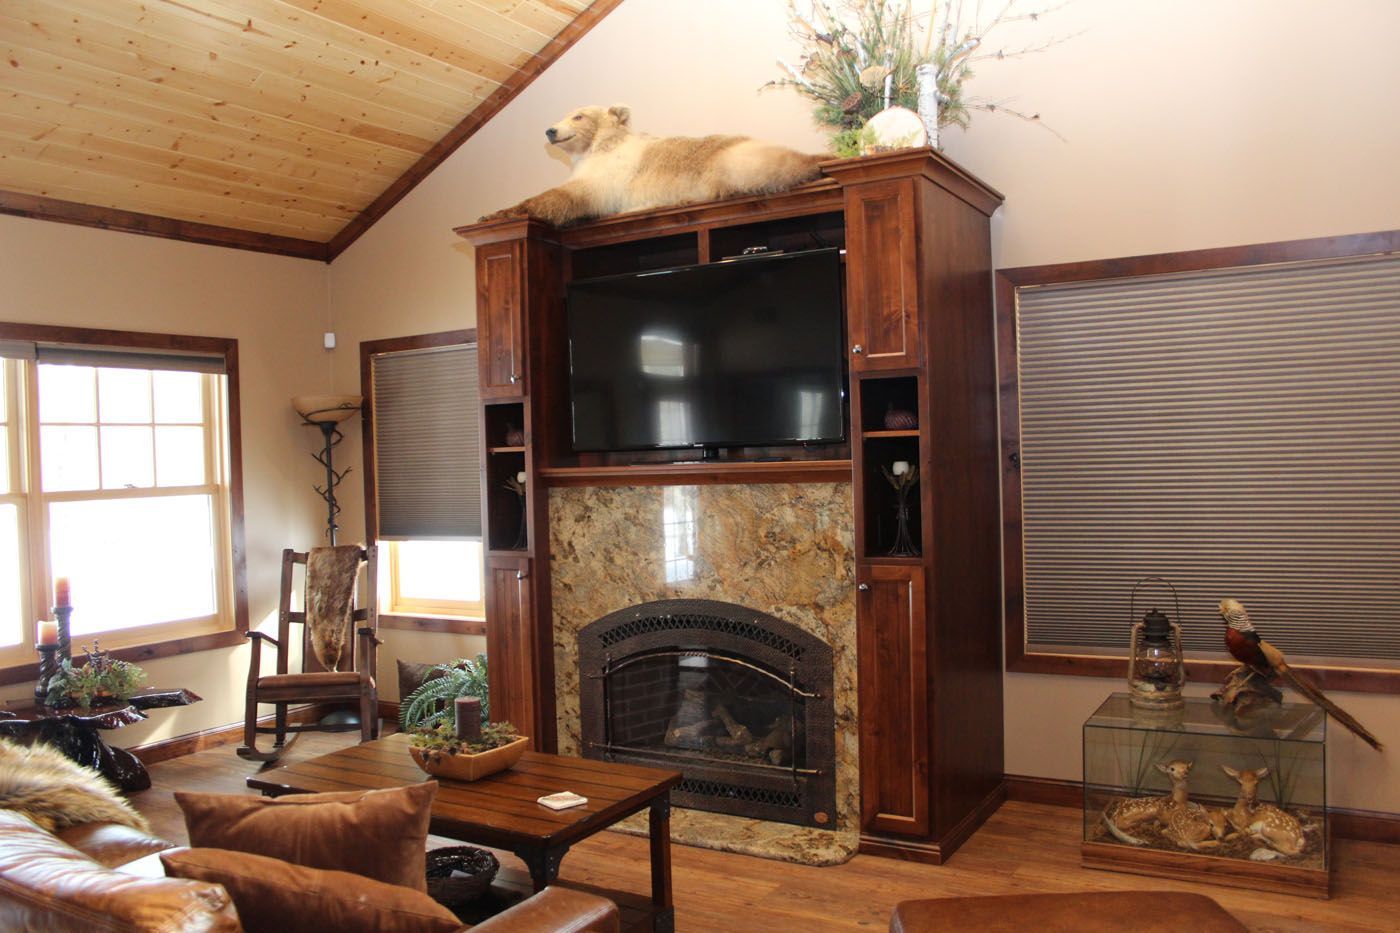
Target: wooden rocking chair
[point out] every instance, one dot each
(314, 684)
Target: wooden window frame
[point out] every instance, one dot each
(369, 349)
(166, 642)
(1018, 659)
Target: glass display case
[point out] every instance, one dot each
(1199, 793)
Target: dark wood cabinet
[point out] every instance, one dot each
(916, 229)
(893, 664)
(882, 305)
(500, 325)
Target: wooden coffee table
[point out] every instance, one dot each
(500, 810)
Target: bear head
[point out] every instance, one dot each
(584, 128)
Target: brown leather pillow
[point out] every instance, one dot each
(275, 896)
(46, 884)
(381, 834)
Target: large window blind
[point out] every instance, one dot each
(1235, 431)
(427, 444)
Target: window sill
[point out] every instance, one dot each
(140, 654)
(450, 625)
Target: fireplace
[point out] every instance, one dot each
(737, 700)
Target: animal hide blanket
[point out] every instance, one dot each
(331, 573)
(54, 791)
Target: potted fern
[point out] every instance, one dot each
(432, 702)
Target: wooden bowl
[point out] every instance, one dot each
(463, 767)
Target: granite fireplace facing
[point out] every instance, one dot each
(783, 550)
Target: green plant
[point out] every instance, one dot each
(102, 677)
(441, 739)
(856, 52)
(431, 702)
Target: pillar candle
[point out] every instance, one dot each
(520, 477)
(47, 633)
(62, 593)
(468, 719)
(900, 467)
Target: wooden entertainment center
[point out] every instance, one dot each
(920, 337)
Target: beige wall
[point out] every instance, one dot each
(1187, 124)
(275, 307)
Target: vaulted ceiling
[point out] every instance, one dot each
(283, 125)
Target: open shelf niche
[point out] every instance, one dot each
(506, 531)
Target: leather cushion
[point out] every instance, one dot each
(381, 834)
(1099, 912)
(47, 885)
(274, 896)
(557, 910)
(111, 844)
(316, 679)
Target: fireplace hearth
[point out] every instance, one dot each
(738, 700)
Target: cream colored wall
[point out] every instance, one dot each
(275, 307)
(1187, 124)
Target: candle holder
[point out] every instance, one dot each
(48, 668)
(65, 644)
(903, 483)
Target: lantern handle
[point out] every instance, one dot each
(1132, 599)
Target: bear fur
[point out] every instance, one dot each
(45, 785)
(617, 170)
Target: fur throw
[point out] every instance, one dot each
(331, 574)
(55, 792)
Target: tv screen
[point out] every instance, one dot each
(748, 353)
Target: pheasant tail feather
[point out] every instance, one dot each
(1333, 710)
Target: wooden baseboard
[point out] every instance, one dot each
(911, 850)
(1363, 825)
(232, 734)
(389, 710)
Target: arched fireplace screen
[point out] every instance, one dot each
(738, 700)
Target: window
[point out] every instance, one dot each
(423, 479)
(116, 473)
(1223, 419)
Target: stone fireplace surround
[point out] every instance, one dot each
(783, 549)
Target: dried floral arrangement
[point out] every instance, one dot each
(103, 678)
(442, 739)
(860, 56)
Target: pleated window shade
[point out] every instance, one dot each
(427, 444)
(1235, 431)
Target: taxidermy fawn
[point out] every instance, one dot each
(1187, 824)
(1263, 821)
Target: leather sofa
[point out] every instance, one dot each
(105, 877)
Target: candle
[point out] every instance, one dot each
(47, 633)
(468, 719)
(62, 593)
(900, 467)
(520, 477)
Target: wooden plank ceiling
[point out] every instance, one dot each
(286, 125)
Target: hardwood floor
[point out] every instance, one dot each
(1023, 848)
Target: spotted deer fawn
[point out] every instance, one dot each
(1263, 821)
(1187, 824)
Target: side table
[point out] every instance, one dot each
(76, 732)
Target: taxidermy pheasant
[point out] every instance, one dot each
(1258, 655)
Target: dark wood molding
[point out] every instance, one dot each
(669, 474)
(231, 734)
(1018, 659)
(39, 207)
(369, 349)
(1364, 825)
(389, 709)
(413, 623)
(464, 130)
(238, 550)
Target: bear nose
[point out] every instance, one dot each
(551, 133)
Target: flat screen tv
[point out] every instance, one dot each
(748, 353)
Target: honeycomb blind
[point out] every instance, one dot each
(1235, 431)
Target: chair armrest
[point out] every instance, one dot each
(370, 634)
(556, 910)
(255, 635)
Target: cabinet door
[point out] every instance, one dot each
(500, 319)
(894, 700)
(510, 643)
(882, 276)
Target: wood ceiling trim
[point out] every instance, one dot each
(149, 107)
(107, 218)
(464, 130)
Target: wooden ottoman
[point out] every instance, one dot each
(1139, 911)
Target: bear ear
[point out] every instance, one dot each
(622, 113)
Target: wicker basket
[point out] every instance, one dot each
(479, 868)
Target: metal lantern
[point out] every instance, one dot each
(1156, 667)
